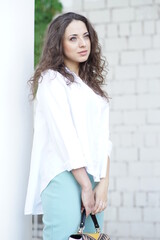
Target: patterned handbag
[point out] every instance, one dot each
(89, 236)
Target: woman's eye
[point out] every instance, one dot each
(73, 39)
(86, 36)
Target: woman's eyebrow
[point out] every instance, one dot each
(74, 34)
(86, 33)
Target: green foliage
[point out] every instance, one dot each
(44, 12)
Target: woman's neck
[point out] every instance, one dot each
(73, 68)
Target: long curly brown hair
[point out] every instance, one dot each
(92, 71)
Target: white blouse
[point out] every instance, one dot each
(71, 130)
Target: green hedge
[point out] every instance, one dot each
(44, 12)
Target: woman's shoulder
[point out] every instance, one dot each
(50, 74)
(51, 82)
(52, 77)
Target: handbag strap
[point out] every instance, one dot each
(94, 219)
(82, 223)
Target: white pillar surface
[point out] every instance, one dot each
(16, 67)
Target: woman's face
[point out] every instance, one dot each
(76, 44)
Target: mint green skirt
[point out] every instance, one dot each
(61, 203)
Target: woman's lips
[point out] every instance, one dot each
(83, 53)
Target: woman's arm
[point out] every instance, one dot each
(100, 192)
(87, 194)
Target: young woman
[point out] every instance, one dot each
(71, 146)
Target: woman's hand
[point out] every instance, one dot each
(100, 196)
(101, 191)
(87, 197)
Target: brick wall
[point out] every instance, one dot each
(129, 31)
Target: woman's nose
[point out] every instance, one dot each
(82, 42)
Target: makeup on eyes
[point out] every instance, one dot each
(74, 36)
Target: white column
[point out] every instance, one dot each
(16, 66)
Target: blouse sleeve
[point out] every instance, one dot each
(53, 97)
(109, 143)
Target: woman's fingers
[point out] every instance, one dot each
(88, 200)
(99, 207)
